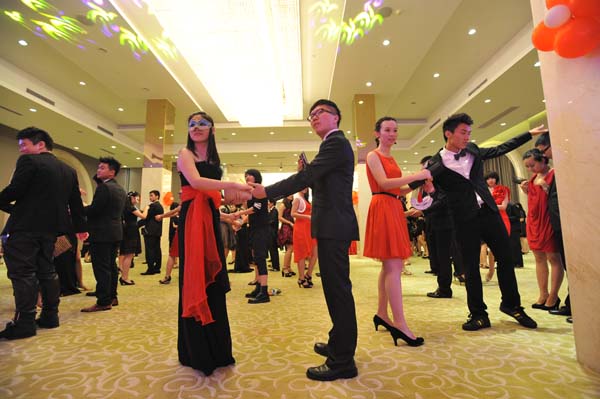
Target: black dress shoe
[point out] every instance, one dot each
(260, 298)
(476, 323)
(322, 349)
(325, 373)
(570, 319)
(519, 314)
(562, 311)
(439, 294)
(17, 330)
(148, 273)
(47, 321)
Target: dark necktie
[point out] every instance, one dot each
(462, 153)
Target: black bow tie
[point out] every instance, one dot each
(462, 153)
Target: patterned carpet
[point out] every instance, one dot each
(130, 352)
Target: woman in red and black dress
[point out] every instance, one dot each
(540, 235)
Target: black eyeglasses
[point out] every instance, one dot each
(317, 113)
(200, 123)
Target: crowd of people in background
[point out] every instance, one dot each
(459, 216)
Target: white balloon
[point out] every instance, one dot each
(557, 16)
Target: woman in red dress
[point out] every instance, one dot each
(386, 236)
(305, 247)
(501, 195)
(540, 235)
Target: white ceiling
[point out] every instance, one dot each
(426, 37)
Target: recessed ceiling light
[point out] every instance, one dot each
(310, 132)
(404, 168)
(405, 161)
(33, 109)
(233, 133)
(120, 109)
(361, 102)
(386, 42)
(75, 148)
(82, 83)
(503, 124)
(224, 164)
(487, 101)
(23, 42)
(544, 100)
(271, 133)
(537, 64)
(432, 141)
(160, 137)
(124, 166)
(172, 134)
(113, 146)
(348, 132)
(138, 158)
(472, 31)
(260, 163)
(369, 84)
(436, 75)
(295, 155)
(416, 153)
(473, 141)
(254, 155)
(176, 156)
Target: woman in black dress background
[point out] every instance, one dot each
(204, 336)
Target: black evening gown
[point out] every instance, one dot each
(208, 347)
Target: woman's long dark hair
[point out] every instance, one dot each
(212, 156)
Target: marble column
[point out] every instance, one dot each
(157, 173)
(363, 113)
(572, 91)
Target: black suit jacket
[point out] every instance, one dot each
(460, 191)
(153, 227)
(330, 175)
(46, 197)
(105, 213)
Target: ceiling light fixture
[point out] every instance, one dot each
(503, 124)
(271, 133)
(233, 133)
(254, 155)
(23, 42)
(33, 109)
(257, 77)
(416, 153)
(82, 83)
(432, 141)
(487, 101)
(544, 100)
(138, 158)
(386, 42)
(113, 146)
(160, 137)
(369, 84)
(361, 102)
(120, 109)
(75, 148)
(348, 132)
(472, 31)
(310, 132)
(537, 64)
(405, 161)
(436, 75)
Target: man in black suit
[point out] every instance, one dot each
(458, 170)
(152, 234)
(44, 191)
(106, 232)
(543, 144)
(334, 225)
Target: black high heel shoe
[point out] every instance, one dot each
(399, 334)
(308, 281)
(166, 280)
(125, 282)
(378, 321)
(287, 273)
(553, 307)
(304, 283)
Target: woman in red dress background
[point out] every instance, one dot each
(501, 195)
(540, 235)
(386, 236)
(305, 247)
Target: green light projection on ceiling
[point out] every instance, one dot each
(47, 21)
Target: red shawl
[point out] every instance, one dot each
(202, 261)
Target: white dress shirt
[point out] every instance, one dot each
(462, 165)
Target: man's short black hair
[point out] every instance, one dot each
(112, 163)
(453, 121)
(36, 135)
(543, 139)
(156, 193)
(328, 103)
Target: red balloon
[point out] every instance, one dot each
(543, 37)
(168, 198)
(585, 8)
(577, 38)
(552, 3)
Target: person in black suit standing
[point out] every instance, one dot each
(153, 232)
(47, 204)
(334, 225)
(458, 170)
(106, 232)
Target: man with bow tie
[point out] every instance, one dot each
(458, 170)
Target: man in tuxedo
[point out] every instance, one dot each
(44, 202)
(153, 232)
(458, 170)
(334, 225)
(543, 144)
(106, 232)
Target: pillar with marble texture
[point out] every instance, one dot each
(572, 92)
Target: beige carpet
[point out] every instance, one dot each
(130, 351)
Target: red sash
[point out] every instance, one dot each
(202, 261)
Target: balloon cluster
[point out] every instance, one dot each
(571, 28)
(168, 198)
